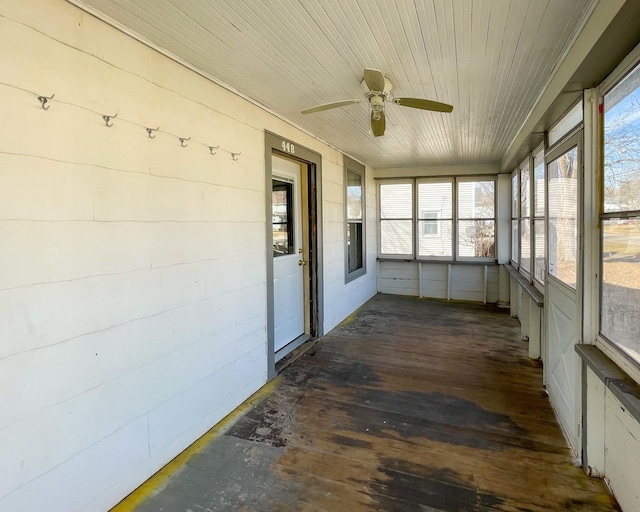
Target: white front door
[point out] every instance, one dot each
(563, 286)
(288, 256)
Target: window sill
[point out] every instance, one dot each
(614, 378)
(442, 261)
(533, 292)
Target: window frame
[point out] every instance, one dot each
(351, 166)
(412, 219)
(538, 152)
(435, 221)
(572, 140)
(457, 219)
(515, 217)
(289, 199)
(614, 350)
(525, 164)
(450, 180)
(454, 180)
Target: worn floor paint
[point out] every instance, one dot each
(410, 405)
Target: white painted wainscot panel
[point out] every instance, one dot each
(441, 280)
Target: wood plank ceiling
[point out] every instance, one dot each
(489, 58)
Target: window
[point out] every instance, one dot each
(354, 201)
(435, 219)
(525, 217)
(430, 224)
(476, 218)
(563, 220)
(515, 214)
(539, 265)
(445, 225)
(396, 219)
(282, 217)
(620, 220)
(568, 122)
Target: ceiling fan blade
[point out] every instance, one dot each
(327, 106)
(374, 80)
(423, 104)
(377, 126)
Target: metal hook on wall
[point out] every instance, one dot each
(235, 156)
(107, 119)
(151, 130)
(43, 101)
(182, 141)
(211, 149)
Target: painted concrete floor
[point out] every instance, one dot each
(409, 405)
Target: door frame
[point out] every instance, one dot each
(575, 138)
(312, 161)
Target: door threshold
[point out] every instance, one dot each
(291, 346)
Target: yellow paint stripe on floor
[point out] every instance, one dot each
(158, 480)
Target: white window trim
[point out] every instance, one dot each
(467, 179)
(351, 165)
(616, 353)
(412, 219)
(423, 218)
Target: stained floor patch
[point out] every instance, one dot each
(412, 405)
(435, 489)
(435, 416)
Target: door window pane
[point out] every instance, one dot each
(282, 217)
(563, 221)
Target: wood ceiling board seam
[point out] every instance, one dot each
(351, 90)
(445, 122)
(536, 74)
(297, 74)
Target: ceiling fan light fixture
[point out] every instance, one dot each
(377, 107)
(376, 112)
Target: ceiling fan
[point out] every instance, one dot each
(378, 90)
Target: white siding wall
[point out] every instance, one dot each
(132, 270)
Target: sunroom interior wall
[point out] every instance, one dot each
(133, 282)
(346, 297)
(462, 282)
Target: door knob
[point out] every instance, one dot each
(302, 262)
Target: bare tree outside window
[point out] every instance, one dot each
(620, 285)
(476, 214)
